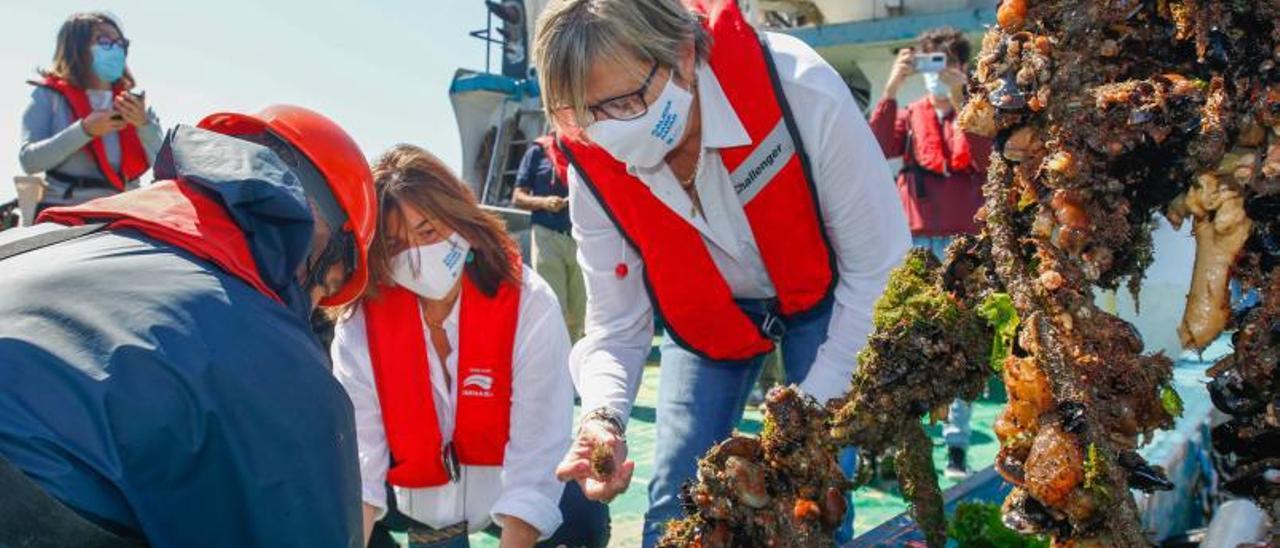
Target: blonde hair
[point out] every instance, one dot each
(573, 34)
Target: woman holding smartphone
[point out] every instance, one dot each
(86, 127)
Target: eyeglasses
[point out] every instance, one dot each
(109, 42)
(627, 106)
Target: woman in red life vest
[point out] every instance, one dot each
(725, 179)
(456, 361)
(86, 128)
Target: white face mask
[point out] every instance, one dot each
(936, 86)
(645, 141)
(431, 270)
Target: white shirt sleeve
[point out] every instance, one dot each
(608, 362)
(354, 370)
(541, 412)
(860, 206)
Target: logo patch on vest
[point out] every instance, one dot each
(764, 163)
(478, 384)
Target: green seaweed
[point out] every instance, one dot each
(920, 486)
(977, 524)
(1171, 401)
(912, 295)
(1000, 314)
(1095, 472)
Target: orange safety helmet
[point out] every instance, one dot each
(338, 158)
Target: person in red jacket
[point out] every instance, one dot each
(943, 168)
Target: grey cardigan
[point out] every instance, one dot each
(54, 140)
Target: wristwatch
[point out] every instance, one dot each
(607, 415)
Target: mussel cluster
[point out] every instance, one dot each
(1244, 386)
(1106, 112)
(929, 346)
(785, 488)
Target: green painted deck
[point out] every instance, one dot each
(873, 504)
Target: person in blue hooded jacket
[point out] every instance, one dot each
(158, 374)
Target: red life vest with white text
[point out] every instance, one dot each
(773, 180)
(133, 157)
(398, 349)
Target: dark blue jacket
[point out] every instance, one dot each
(537, 175)
(160, 396)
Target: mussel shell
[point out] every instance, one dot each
(1233, 396)
(1265, 238)
(1028, 516)
(687, 503)
(1142, 475)
(1012, 469)
(1263, 206)
(1229, 437)
(1071, 414)
(1253, 485)
(1008, 96)
(1219, 52)
(1140, 116)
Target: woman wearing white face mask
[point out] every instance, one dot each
(727, 177)
(456, 363)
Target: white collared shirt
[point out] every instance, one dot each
(864, 222)
(525, 485)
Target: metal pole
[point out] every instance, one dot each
(488, 40)
(498, 149)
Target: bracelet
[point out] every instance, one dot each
(608, 415)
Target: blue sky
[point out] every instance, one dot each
(381, 69)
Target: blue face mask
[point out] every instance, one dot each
(935, 85)
(108, 62)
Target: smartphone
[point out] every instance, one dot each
(930, 62)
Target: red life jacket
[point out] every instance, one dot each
(559, 163)
(929, 149)
(398, 349)
(133, 157)
(772, 176)
(178, 214)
